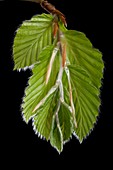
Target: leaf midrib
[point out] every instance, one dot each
(79, 106)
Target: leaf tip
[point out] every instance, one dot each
(80, 141)
(24, 118)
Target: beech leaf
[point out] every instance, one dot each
(63, 94)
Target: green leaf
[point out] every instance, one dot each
(43, 118)
(38, 88)
(62, 98)
(56, 138)
(86, 101)
(65, 120)
(58, 129)
(80, 51)
(30, 39)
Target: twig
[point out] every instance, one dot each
(50, 8)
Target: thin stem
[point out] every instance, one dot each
(59, 79)
(55, 50)
(56, 114)
(71, 96)
(50, 9)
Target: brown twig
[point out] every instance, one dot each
(51, 9)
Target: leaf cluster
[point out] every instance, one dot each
(62, 96)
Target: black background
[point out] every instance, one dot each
(19, 142)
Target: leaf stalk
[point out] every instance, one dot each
(71, 96)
